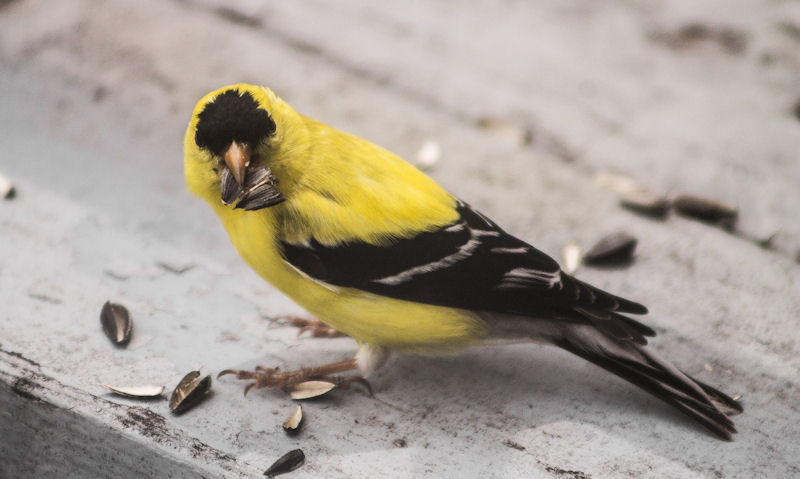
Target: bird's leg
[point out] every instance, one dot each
(271, 377)
(368, 359)
(317, 328)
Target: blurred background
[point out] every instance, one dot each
(527, 105)
(679, 96)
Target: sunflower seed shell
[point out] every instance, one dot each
(7, 189)
(615, 248)
(706, 209)
(286, 463)
(428, 156)
(311, 389)
(646, 203)
(572, 257)
(292, 424)
(189, 392)
(137, 392)
(117, 323)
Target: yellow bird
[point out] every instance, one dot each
(377, 250)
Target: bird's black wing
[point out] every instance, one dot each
(470, 264)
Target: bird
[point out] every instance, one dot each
(376, 249)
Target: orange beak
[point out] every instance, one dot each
(237, 158)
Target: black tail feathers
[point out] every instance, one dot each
(706, 405)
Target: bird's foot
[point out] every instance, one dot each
(317, 328)
(288, 381)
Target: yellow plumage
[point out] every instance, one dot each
(338, 188)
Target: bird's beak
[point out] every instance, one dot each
(237, 158)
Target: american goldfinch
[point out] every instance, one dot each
(377, 250)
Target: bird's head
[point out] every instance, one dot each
(228, 146)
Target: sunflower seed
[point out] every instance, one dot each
(7, 189)
(259, 191)
(513, 445)
(646, 202)
(400, 443)
(768, 242)
(311, 389)
(428, 156)
(706, 209)
(796, 109)
(572, 257)
(117, 323)
(286, 463)
(505, 129)
(614, 248)
(141, 392)
(189, 392)
(292, 424)
(617, 183)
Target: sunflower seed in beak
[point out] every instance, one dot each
(259, 191)
(229, 188)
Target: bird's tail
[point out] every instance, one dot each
(632, 362)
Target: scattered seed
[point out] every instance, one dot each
(694, 34)
(117, 323)
(310, 389)
(617, 183)
(646, 202)
(175, 267)
(44, 297)
(505, 129)
(513, 445)
(795, 111)
(572, 256)
(292, 424)
(615, 248)
(768, 242)
(189, 392)
(400, 442)
(140, 392)
(732, 40)
(429, 155)
(7, 189)
(239, 16)
(286, 463)
(792, 30)
(708, 367)
(706, 209)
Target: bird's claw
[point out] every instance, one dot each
(317, 328)
(273, 378)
